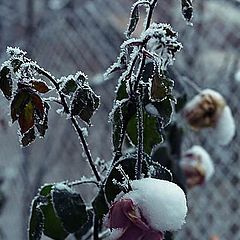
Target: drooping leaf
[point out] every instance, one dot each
(161, 85)
(85, 102)
(100, 205)
(53, 227)
(162, 110)
(70, 86)
(128, 164)
(20, 100)
(40, 86)
(6, 82)
(124, 111)
(160, 172)
(121, 90)
(42, 125)
(187, 9)
(134, 18)
(86, 227)
(38, 105)
(35, 229)
(28, 137)
(69, 207)
(26, 118)
(151, 134)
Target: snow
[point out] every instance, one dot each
(162, 203)
(197, 154)
(225, 128)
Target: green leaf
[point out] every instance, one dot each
(26, 118)
(161, 85)
(86, 227)
(28, 137)
(128, 164)
(6, 82)
(100, 205)
(69, 207)
(53, 227)
(69, 87)
(85, 102)
(40, 86)
(36, 221)
(134, 18)
(123, 112)
(162, 110)
(122, 90)
(151, 134)
(20, 100)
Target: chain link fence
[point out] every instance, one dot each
(68, 36)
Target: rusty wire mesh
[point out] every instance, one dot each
(86, 35)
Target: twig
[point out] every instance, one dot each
(74, 121)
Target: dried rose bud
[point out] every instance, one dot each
(197, 166)
(209, 110)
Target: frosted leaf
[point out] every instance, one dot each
(198, 157)
(15, 51)
(171, 210)
(162, 43)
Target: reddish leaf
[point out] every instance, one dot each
(40, 86)
(28, 137)
(38, 104)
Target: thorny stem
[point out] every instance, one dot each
(74, 122)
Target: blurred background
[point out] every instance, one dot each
(65, 36)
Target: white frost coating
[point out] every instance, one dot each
(152, 110)
(63, 186)
(162, 203)
(198, 155)
(225, 128)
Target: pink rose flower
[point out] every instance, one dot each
(126, 217)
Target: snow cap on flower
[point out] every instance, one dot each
(152, 207)
(198, 158)
(162, 203)
(208, 109)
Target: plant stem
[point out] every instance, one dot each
(140, 137)
(139, 100)
(74, 122)
(95, 228)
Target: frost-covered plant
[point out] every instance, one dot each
(142, 109)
